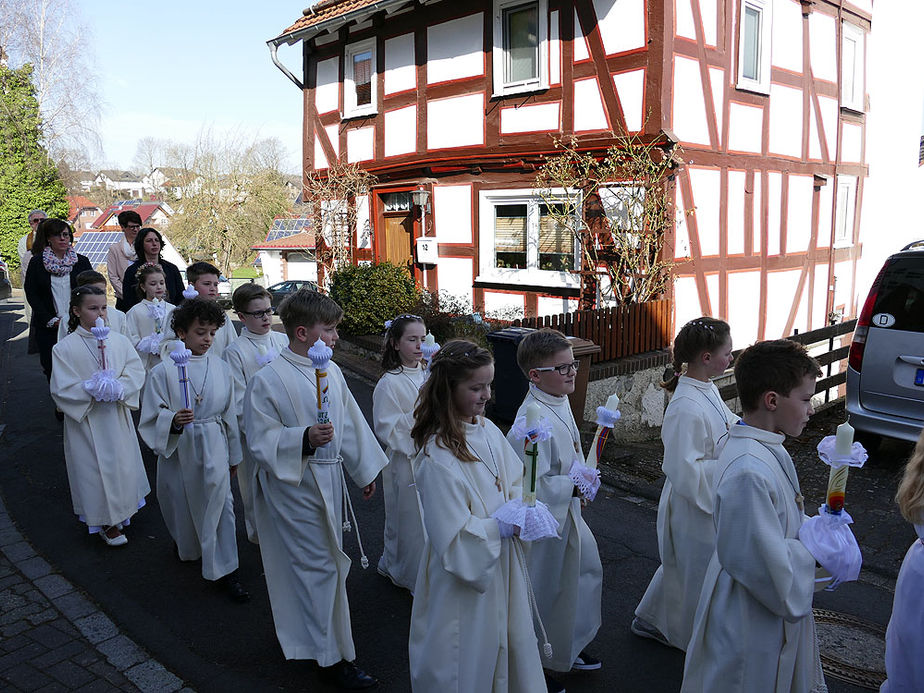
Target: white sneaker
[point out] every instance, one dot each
(120, 540)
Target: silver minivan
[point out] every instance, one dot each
(885, 372)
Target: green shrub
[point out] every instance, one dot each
(451, 317)
(372, 294)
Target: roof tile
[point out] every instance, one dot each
(327, 9)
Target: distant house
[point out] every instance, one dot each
(153, 213)
(82, 212)
(121, 181)
(288, 251)
(171, 182)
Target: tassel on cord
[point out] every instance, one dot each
(363, 559)
(546, 645)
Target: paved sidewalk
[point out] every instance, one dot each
(52, 638)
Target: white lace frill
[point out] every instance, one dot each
(104, 386)
(586, 479)
(607, 417)
(857, 457)
(829, 539)
(266, 357)
(535, 521)
(541, 431)
(149, 344)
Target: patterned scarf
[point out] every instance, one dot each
(59, 266)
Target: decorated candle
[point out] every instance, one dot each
(531, 447)
(612, 403)
(607, 416)
(320, 355)
(180, 357)
(429, 349)
(429, 340)
(837, 477)
(101, 332)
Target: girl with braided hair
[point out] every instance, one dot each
(695, 428)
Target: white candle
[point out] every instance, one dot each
(532, 414)
(844, 441)
(613, 402)
(429, 340)
(532, 456)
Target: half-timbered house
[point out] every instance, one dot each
(462, 100)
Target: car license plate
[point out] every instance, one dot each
(919, 377)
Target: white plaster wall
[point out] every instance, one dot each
(320, 160)
(823, 46)
(360, 144)
(455, 122)
(736, 212)
(819, 297)
(785, 121)
(787, 35)
(327, 91)
(774, 199)
(717, 82)
(400, 69)
(712, 290)
(454, 275)
(829, 117)
(363, 223)
(554, 305)
(681, 231)
(743, 316)
(622, 24)
(272, 266)
(745, 124)
(851, 142)
(689, 111)
(843, 284)
(302, 269)
(686, 301)
(452, 207)
(588, 106)
(401, 131)
(708, 10)
(554, 49)
(580, 43)
(538, 118)
(799, 213)
(706, 184)
(631, 89)
(781, 288)
(507, 306)
(814, 135)
(455, 49)
(683, 19)
(825, 213)
(757, 216)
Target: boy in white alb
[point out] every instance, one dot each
(566, 573)
(115, 318)
(257, 346)
(204, 277)
(197, 445)
(754, 629)
(300, 494)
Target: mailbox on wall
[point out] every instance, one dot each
(427, 252)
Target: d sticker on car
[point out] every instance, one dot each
(883, 320)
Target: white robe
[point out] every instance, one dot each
(298, 503)
(193, 467)
(566, 572)
(695, 428)
(223, 338)
(141, 324)
(115, 320)
(393, 403)
(104, 468)
(471, 626)
(905, 635)
(241, 355)
(754, 629)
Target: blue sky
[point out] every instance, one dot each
(168, 69)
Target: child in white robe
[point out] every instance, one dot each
(300, 497)
(393, 403)
(104, 468)
(115, 318)
(257, 345)
(195, 437)
(204, 277)
(695, 428)
(471, 624)
(566, 572)
(150, 318)
(754, 629)
(905, 635)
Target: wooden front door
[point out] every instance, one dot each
(397, 246)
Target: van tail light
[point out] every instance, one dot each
(858, 345)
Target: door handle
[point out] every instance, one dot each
(913, 360)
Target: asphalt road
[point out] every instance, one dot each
(215, 645)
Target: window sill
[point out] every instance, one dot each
(366, 113)
(753, 88)
(518, 277)
(519, 90)
(853, 108)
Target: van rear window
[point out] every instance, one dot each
(901, 294)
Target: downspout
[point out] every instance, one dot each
(273, 48)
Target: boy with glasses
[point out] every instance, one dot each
(256, 346)
(566, 573)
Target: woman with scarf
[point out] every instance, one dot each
(148, 246)
(51, 277)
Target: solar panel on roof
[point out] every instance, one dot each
(283, 228)
(95, 245)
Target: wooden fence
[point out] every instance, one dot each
(620, 331)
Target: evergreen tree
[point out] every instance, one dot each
(28, 178)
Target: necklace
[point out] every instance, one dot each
(494, 472)
(718, 409)
(198, 393)
(410, 379)
(575, 438)
(800, 501)
(99, 361)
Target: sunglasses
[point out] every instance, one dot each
(563, 369)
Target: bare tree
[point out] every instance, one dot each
(49, 35)
(617, 206)
(150, 152)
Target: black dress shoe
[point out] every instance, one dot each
(236, 590)
(347, 676)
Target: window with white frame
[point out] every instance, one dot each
(359, 79)
(755, 24)
(522, 241)
(844, 214)
(520, 53)
(852, 63)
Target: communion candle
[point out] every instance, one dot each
(531, 447)
(101, 332)
(837, 477)
(429, 340)
(612, 403)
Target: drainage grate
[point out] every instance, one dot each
(852, 649)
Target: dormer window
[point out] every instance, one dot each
(520, 46)
(359, 80)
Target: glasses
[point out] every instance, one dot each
(132, 227)
(37, 220)
(563, 369)
(257, 313)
